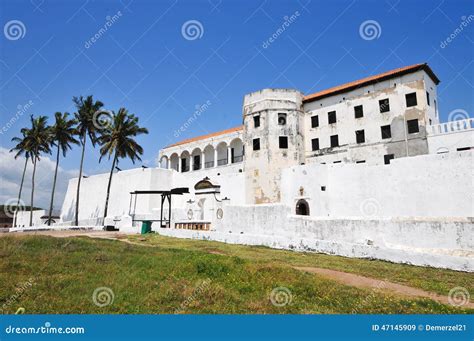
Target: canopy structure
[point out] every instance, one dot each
(164, 195)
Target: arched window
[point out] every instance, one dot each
(302, 207)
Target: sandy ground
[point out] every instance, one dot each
(339, 276)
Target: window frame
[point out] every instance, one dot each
(361, 111)
(316, 139)
(359, 133)
(332, 114)
(381, 104)
(256, 144)
(331, 140)
(256, 121)
(280, 140)
(411, 127)
(389, 130)
(317, 121)
(409, 97)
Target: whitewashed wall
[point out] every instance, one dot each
(428, 185)
(417, 241)
(23, 218)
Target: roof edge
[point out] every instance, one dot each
(371, 80)
(203, 137)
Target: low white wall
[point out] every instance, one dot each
(417, 241)
(427, 185)
(23, 218)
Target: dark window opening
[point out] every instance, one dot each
(184, 165)
(387, 158)
(302, 207)
(360, 136)
(315, 144)
(463, 149)
(256, 121)
(428, 98)
(386, 132)
(334, 141)
(360, 161)
(413, 126)
(358, 111)
(337, 161)
(314, 121)
(197, 162)
(281, 119)
(256, 144)
(384, 105)
(332, 117)
(411, 99)
(323, 188)
(283, 142)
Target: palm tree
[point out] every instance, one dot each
(37, 142)
(86, 126)
(117, 140)
(62, 135)
(21, 148)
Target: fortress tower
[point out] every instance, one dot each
(273, 140)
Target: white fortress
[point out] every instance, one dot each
(364, 169)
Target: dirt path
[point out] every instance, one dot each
(372, 283)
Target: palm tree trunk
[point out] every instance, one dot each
(32, 190)
(54, 188)
(19, 194)
(83, 140)
(108, 186)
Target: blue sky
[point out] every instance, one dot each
(144, 62)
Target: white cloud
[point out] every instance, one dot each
(10, 179)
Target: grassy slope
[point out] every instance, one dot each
(430, 279)
(160, 279)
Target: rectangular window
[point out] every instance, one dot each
(337, 161)
(411, 99)
(436, 108)
(360, 136)
(282, 119)
(256, 144)
(315, 144)
(428, 98)
(283, 142)
(384, 105)
(413, 126)
(387, 158)
(334, 141)
(386, 132)
(332, 117)
(314, 121)
(360, 161)
(358, 111)
(256, 121)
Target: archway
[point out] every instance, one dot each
(302, 207)
(236, 150)
(174, 161)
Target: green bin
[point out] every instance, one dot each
(146, 226)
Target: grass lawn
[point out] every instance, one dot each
(188, 276)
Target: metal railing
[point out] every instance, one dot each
(185, 169)
(237, 159)
(197, 166)
(209, 164)
(222, 162)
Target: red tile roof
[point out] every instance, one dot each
(371, 80)
(203, 137)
